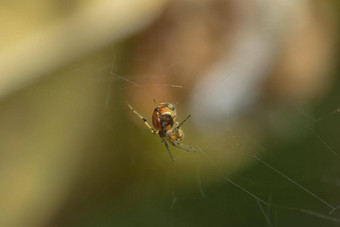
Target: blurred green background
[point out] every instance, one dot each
(73, 154)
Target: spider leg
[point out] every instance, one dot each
(153, 131)
(154, 100)
(163, 124)
(182, 146)
(177, 125)
(167, 147)
(183, 121)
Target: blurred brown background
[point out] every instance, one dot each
(259, 78)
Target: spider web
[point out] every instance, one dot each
(317, 204)
(290, 178)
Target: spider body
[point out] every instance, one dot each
(165, 125)
(165, 114)
(164, 119)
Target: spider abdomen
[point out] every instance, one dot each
(164, 117)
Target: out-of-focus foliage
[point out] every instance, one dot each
(260, 79)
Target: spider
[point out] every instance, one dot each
(164, 122)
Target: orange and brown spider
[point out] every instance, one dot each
(165, 124)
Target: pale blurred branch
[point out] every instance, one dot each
(94, 27)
